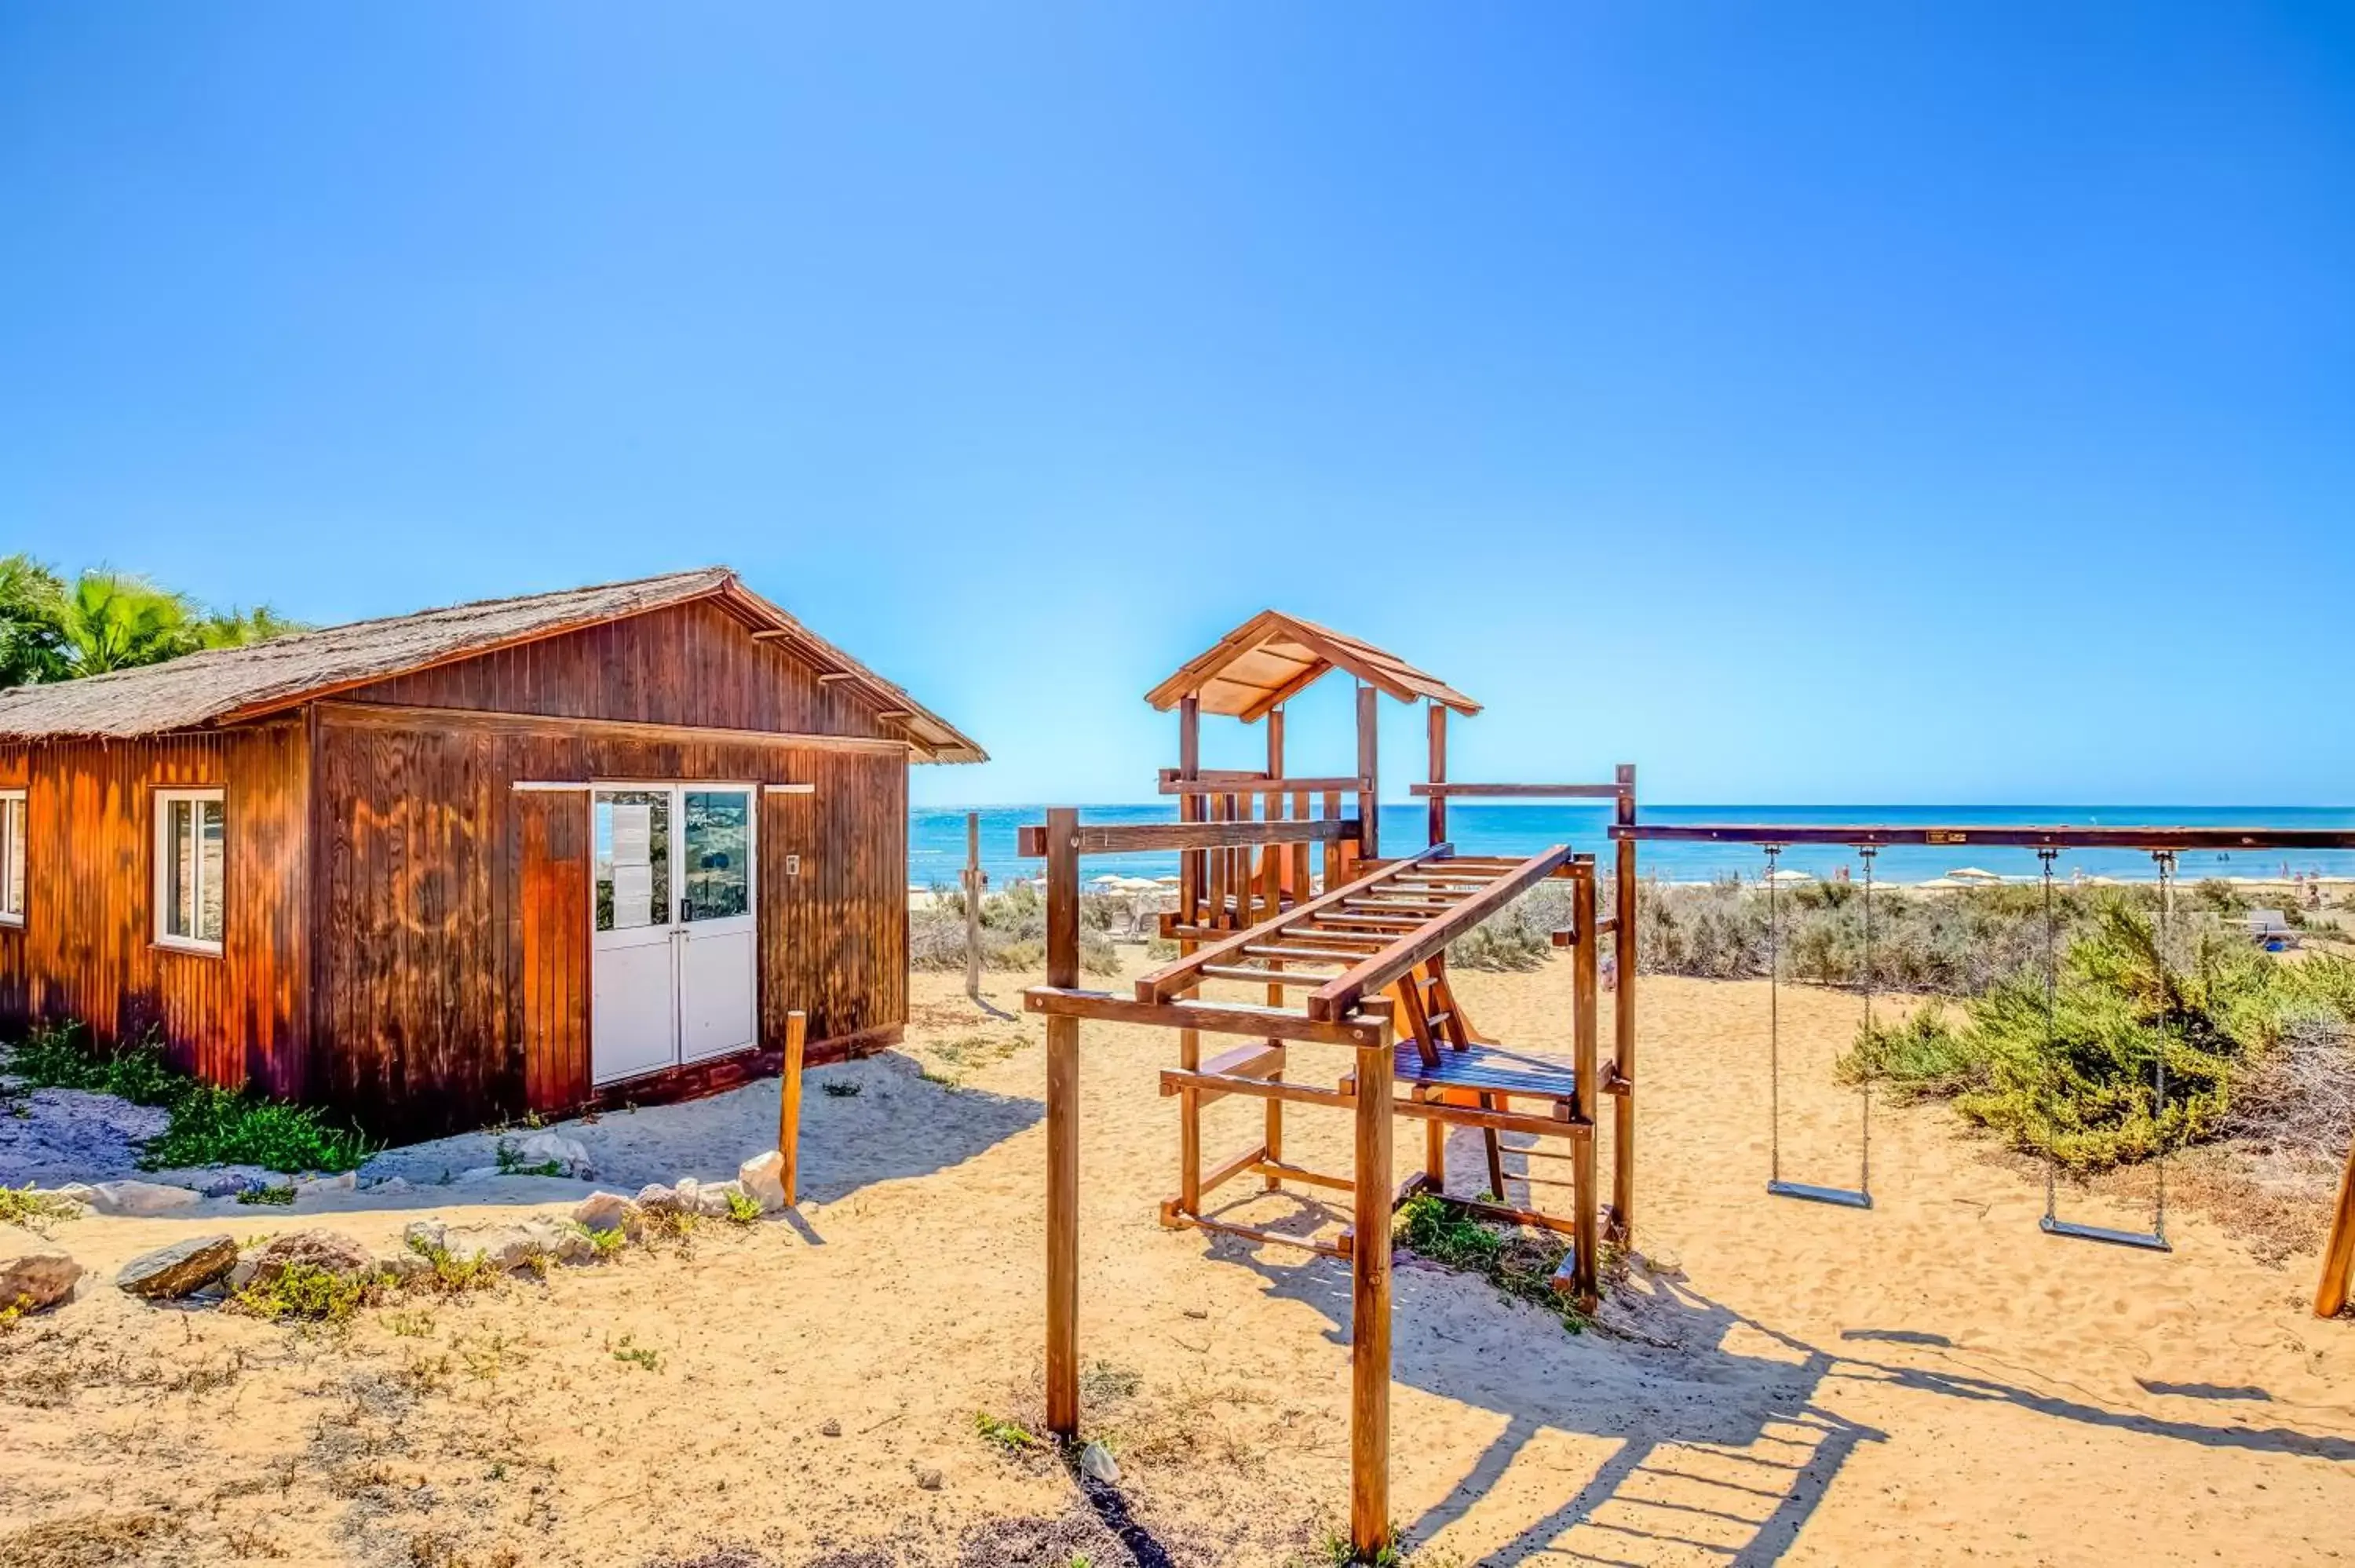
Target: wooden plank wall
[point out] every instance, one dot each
(694, 665)
(430, 860)
(87, 950)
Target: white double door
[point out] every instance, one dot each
(675, 941)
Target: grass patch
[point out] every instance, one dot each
(2076, 1082)
(312, 1295)
(1519, 1262)
(743, 1209)
(280, 1196)
(511, 1162)
(1009, 1434)
(23, 1206)
(209, 1125)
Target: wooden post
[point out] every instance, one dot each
(1622, 1020)
(1369, 1307)
(1276, 856)
(1584, 1273)
(2338, 1251)
(1193, 867)
(1439, 775)
(972, 886)
(1062, 1128)
(1369, 773)
(789, 1105)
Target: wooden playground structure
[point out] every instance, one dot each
(1346, 955)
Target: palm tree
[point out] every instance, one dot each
(29, 595)
(114, 621)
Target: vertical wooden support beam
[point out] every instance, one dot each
(1277, 857)
(1369, 1307)
(972, 886)
(2338, 1251)
(1193, 868)
(1334, 875)
(1062, 1128)
(1623, 1020)
(1369, 773)
(1439, 772)
(789, 1105)
(1584, 1274)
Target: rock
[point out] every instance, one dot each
(80, 1193)
(928, 1478)
(476, 1175)
(403, 1266)
(391, 1185)
(139, 1198)
(690, 1195)
(319, 1186)
(180, 1268)
(239, 1276)
(1097, 1464)
(549, 1148)
(830, 1428)
(762, 1177)
(425, 1235)
(608, 1212)
(500, 1246)
(712, 1197)
(35, 1281)
(330, 1252)
(221, 1181)
(659, 1199)
(565, 1243)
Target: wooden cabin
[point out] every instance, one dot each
(532, 854)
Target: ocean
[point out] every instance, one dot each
(936, 839)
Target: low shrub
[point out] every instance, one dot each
(1014, 929)
(313, 1295)
(1519, 1262)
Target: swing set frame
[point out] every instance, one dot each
(2336, 1284)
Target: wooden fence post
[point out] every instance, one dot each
(1062, 1128)
(2338, 1251)
(1370, 1306)
(1623, 1019)
(1585, 1275)
(1369, 792)
(974, 883)
(1439, 774)
(789, 1105)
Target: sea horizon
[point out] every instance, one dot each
(936, 839)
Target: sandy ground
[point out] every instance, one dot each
(1932, 1381)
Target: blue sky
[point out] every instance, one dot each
(1818, 403)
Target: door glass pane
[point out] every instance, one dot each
(718, 865)
(632, 845)
(12, 856)
(212, 836)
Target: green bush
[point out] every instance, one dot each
(209, 1125)
(2075, 1080)
(1521, 1263)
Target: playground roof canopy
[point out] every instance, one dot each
(1253, 669)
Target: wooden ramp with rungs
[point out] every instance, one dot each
(1361, 962)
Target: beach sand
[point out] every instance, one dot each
(1932, 1381)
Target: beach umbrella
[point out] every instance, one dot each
(1166, 881)
(1973, 874)
(1790, 876)
(1942, 883)
(1139, 885)
(1107, 880)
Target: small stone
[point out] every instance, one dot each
(1097, 1464)
(425, 1235)
(239, 1276)
(830, 1427)
(139, 1198)
(564, 1242)
(501, 1247)
(403, 1266)
(178, 1270)
(659, 1199)
(762, 1177)
(320, 1186)
(928, 1478)
(552, 1148)
(608, 1212)
(329, 1252)
(35, 1281)
(391, 1185)
(690, 1195)
(712, 1197)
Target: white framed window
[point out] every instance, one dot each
(12, 858)
(191, 867)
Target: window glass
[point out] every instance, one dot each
(719, 859)
(12, 855)
(632, 848)
(192, 867)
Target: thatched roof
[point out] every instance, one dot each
(226, 684)
(1250, 670)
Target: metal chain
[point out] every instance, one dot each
(2051, 1039)
(1864, 1157)
(1773, 1014)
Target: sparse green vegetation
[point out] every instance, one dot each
(1517, 1261)
(315, 1295)
(1014, 929)
(280, 1195)
(743, 1209)
(511, 1162)
(1009, 1434)
(841, 1088)
(23, 1206)
(209, 1125)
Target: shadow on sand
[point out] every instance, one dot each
(1724, 1443)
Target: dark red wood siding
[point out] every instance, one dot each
(87, 948)
(453, 974)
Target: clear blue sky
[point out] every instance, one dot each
(1810, 403)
